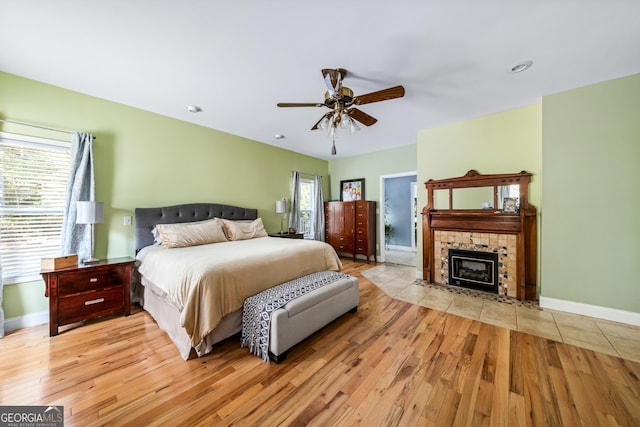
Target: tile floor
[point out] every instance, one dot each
(604, 336)
(400, 257)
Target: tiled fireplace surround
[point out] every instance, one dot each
(502, 244)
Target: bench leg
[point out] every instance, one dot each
(354, 309)
(279, 358)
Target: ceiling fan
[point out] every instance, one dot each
(341, 100)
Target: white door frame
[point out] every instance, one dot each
(381, 208)
(414, 194)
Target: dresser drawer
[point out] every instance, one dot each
(362, 246)
(343, 247)
(90, 304)
(90, 279)
(340, 239)
(362, 207)
(341, 244)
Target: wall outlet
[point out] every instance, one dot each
(127, 220)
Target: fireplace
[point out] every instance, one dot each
(474, 269)
(464, 224)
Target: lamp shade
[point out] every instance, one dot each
(323, 123)
(89, 213)
(281, 206)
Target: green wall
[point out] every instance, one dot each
(371, 166)
(591, 224)
(144, 159)
(505, 142)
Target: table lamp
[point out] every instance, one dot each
(281, 208)
(90, 213)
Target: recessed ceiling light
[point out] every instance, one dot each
(279, 136)
(525, 65)
(194, 108)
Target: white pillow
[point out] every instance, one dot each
(189, 233)
(236, 230)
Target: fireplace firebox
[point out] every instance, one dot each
(475, 270)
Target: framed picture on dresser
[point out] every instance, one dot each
(351, 190)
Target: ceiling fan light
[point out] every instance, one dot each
(324, 123)
(353, 127)
(345, 121)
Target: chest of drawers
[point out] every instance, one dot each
(350, 227)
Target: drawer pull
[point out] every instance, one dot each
(94, 301)
(93, 279)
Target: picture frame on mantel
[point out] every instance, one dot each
(510, 205)
(352, 190)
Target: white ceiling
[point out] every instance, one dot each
(237, 59)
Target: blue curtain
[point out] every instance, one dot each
(318, 213)
(294, 213)
(80, 186)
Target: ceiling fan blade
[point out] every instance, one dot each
(300, 104)
(333, 79)
(361, 116)
(381, 95)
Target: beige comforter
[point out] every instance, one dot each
(207, 282)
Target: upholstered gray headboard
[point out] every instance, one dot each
(147, 218)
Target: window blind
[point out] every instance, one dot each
(33, 181)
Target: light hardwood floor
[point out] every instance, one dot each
(391, 363)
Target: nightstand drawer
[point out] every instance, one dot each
(86, 280)
(91, 304)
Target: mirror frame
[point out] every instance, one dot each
(474, 179)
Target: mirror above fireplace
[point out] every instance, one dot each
(459, 196)
(476, 197)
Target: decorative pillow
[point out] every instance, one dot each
(190, 233)
(157, 240)
(236, 230)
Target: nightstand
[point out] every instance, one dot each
(88, 291)
(288, 235)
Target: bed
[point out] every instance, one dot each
(195, 292)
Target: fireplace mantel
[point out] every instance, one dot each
(522, 223)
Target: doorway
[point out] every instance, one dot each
(398, 218)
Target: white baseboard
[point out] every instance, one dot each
(606, 313)
(14, 323)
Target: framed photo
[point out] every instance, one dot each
(351, 190)
(510, 205)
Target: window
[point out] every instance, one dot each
(33, 181)
(306, 207)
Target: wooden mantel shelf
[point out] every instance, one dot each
(484, 221)
(522, 224)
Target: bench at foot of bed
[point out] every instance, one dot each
(308, 313)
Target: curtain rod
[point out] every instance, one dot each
(305, 173)
(37, 126)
